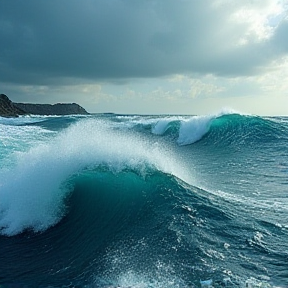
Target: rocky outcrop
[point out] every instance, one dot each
(10, 109)
(48, 109)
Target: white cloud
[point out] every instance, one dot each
(260, 18)
(273, 81)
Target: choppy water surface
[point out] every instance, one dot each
(144, 201)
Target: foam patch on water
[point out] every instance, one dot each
(21, 120)
(32, 193)
(131, 279)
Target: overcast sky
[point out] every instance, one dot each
(147, 56)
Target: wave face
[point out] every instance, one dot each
(144, 201)
(227, 128)
(236, 128)
(42, 172)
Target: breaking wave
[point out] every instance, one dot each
(33, 192)
(225, 128)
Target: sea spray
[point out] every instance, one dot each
(126, 220)
(33, 192)
(194, 129)
(190, 129)
(161, 126)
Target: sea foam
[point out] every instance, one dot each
(32, 193)
(194, 129)
(191, 128)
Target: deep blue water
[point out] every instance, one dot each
(144, 201)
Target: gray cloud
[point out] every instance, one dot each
(280, 39)
(48, 41)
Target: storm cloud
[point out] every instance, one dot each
(44, 42)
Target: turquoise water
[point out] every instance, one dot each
(144, 201)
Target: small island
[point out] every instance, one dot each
(12, 109)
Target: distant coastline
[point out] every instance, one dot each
(12, 109)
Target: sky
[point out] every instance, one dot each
(147, 56)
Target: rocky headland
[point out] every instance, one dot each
(12, 109)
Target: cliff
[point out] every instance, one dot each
(11, 109)
(8, 109)
(48, 109)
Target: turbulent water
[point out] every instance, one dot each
(144, 201)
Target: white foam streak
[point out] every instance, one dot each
(194, 129)
(161, 126)
(32, 193)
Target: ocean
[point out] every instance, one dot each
(108, 200)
